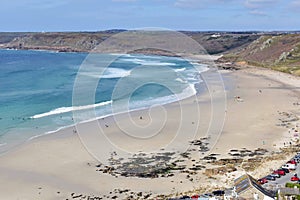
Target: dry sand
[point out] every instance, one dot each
(56, 165)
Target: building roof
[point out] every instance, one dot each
(246, 182)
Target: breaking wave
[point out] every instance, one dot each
(69, 109)
(148, 62)
(108, 73)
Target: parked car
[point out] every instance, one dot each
(185, 197)
(295, 174)
(218, 192)
(297, 156)
(195, 196)
(285, 170)
(206, 195)
(281, 172)
(292, 162)
(270, 178)
(295, 178)
(275, 175)
(297, 159)
(262, 181)
(289, 166)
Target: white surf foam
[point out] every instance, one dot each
(116, 73)
(180, 80)
(180, 69)
(69, 109)
(200, 67)
(109, 73)
(189, 91)
(148, 62)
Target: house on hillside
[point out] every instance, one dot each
(288, 193)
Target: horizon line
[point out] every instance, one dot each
(120, 30)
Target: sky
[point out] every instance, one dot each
(196, 15)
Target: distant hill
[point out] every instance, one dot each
(278, 52)
(65, 42)
(275, 50)
(214, 43)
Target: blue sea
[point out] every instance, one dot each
(36, 88)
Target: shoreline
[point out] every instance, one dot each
(108, 116)
(62, 155)
(57, 129)
(72, 126)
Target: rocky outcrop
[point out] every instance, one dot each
(219, 170)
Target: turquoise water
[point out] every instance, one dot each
(36, 88)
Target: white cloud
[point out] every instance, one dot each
(253, 4)
(46, 4)
(195, 4)
(260, 7)
(295, 4)
(258, 12)
(253, 7)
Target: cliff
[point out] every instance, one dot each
(214, 43)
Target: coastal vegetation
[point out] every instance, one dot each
(275, 50)
(278, 52)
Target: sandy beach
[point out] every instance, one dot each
(61, 165)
